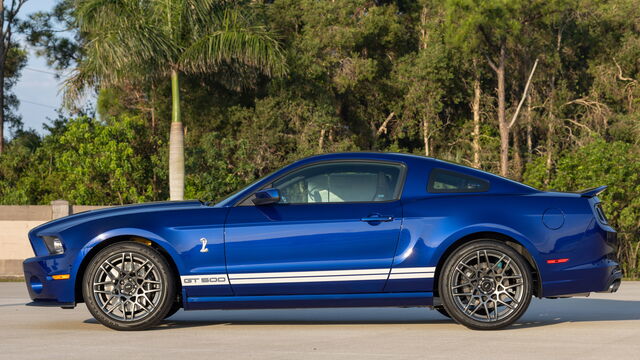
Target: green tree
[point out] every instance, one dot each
(341, 54)
(423, 77)
(130, 39)
(54, 34)
(12, 60)
(82, 160)
(501, 32)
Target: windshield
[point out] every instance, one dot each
(233, 197)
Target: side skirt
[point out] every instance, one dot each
(310, 301)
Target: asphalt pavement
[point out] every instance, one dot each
(603, 326)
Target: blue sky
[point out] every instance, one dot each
(38, 89)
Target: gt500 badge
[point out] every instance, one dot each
(204, 280)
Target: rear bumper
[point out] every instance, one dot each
(597, 270)
(614, 281)
(597, 277)
(43, 289)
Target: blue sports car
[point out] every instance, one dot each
(336, 230)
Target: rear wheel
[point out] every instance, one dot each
(129, 286)
(485, 285)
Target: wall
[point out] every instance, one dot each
(15, 223)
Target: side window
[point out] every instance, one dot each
(447, 181)
(337, 182)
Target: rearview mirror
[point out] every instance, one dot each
(266, 197)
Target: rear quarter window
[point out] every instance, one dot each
(448, 181)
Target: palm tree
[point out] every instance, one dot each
(130, 40)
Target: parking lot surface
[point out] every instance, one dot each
(601, 326)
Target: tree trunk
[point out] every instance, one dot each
(502, 119)
(176, 144)
(517, 158)
(476, 122)
(426, 135)
(321, 140)
(549, 163)
(1, 105)
(552, 114)
(529, 121)
(152, 98)
(424, 41)
(2, 61)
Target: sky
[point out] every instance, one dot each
(38, 89)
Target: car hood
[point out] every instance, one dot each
(58, 225)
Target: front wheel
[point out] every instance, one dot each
(174, 309)
(485, 285)
(129, 286)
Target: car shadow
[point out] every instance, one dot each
(543, 312)
(14, 304)
(555, 311)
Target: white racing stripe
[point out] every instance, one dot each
(413, 270)
(308, 273)
(309, 279)
(309, 276)
(412, 273)
(411, 276)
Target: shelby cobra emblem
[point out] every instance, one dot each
(335, 230)
(204, 249)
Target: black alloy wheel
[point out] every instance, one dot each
(485, 285)
(129, 286)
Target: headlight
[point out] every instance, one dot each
(54, 244)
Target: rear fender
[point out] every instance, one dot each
(485, 230)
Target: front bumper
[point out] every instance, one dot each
(43, 289)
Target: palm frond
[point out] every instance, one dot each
(233, 39)
(144, 40)
(119, 44)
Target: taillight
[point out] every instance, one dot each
(600, 213)
(557, 261)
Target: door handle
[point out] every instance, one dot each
(379, 218)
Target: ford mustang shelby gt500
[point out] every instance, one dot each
(336, 230)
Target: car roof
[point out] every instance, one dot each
(367, 155)
(419, 160)
(416, 164)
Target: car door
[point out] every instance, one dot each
(334, 230)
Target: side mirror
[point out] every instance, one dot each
(266, 197)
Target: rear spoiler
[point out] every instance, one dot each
(589, 193)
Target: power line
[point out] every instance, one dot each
(37, 103)
(41, 71)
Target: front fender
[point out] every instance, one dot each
(131, 232)
(83, 257)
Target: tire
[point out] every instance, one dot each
(442, 311)
(485, 285)
(174, 309)
(129, 286)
